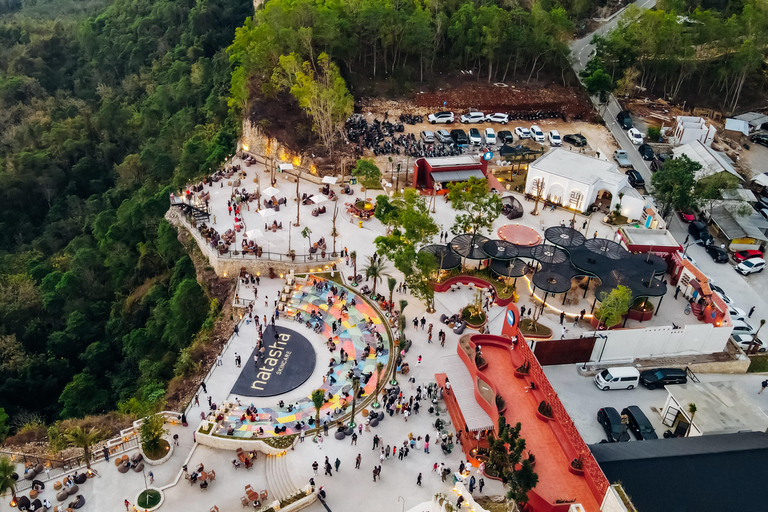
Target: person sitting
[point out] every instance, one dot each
(248, 463)
(204, 484)
(193, 477)
(236, 463)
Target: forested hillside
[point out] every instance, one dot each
(98, 117)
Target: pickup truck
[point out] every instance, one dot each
(621, 158)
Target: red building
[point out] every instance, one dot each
(449, 169)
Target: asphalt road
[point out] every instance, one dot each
(581, 51)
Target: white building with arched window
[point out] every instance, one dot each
(574, 180)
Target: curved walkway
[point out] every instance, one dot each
(352, 335)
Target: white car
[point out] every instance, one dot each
(720, 292)
(737, 313)
(489, 136)
(522, 133)
(475, 137)
(635, 136)
(440, 117)
(750, 266)
(742, 327)
(498, 117)
(745, 341)
(537, 134)
(555, 139)
(473, 117)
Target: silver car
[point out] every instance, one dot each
(427, 136)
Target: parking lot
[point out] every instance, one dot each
(582, 399)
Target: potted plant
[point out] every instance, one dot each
(577, 466)
(544, 412)
(523, 370)
(501, 405)
(532, 458)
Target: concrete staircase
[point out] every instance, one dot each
(279, 481)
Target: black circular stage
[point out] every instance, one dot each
(287, 362)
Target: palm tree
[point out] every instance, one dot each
(375, 270)
(306, 233)
(83, 439)
(7, 481)
(318, 398)
(355, 388)
(692, 412)
(391, 282)
(379, 369)
(353, 257)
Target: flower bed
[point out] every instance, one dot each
(474, 319)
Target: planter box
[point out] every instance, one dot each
(162, 499)
(497, 478)
(520, 375)
(641, 316)
(575, 471)
(545, 419)
(157, 462)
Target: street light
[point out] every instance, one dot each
(401, 498)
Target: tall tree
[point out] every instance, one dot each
(673, 185)
(84, 439)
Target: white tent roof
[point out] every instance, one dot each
(267, 212)
(331, 180)
(737, 125)
(271, 192)
(712, 162)
(319, 198)
(463, 388)
(762, 180)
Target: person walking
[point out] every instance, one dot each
(328, 469)
(237, 330)
(423, 322)
(197, 403)
(562, 317)
(127, 504)
(337, 464)
(375, 441)
(358, 460)
(480, 485)
(751, 310)
(151, 477)
(106, 451)
(354, 439)
(375, 471)
(315, 465)
(418, 480)
(205, 389)
(763, 386)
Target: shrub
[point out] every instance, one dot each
(500, 403)
(524, 368)
(545, 409)
(152, 430)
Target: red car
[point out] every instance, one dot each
(687, 215)
(740, 256)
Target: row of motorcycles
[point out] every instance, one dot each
(538, 114)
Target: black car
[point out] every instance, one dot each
(576, 139)
(505, 136)
(718, 254)
(759, 138)
(459, 137)
(635, 178)
(609, 418)
(660, 377)
(639, 424)
(646, 152)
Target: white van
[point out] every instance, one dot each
(624, 377)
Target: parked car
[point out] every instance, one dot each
(427, 136)
(635, 137)
(443, 136)
(740, 256)
(639, 424)
(622, 158)
(645, 151)
(459, 137)
(720, 292)
(575, 139)
(718, 255)
(635, 178)
(759, 138)
(475, 137)
(751, 266)
(554, 138)
(742, 327)
(498, 117)
(687, 215)
(624, 120)
(748, 342)
(473, 117)
(441, 117)
(661, 377)
(537, 134)
(489, 136)
(522, 133)
(698, 230)
(656, 164)
(609, 418)
(620, 377)
(505, 137)
(736, 313)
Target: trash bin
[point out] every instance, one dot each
(360, 224)
(353, 181)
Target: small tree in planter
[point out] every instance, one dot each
(613, 306)
(523, 369)
(318, 399)
(152, 431)
(500, 403)
(545, 409)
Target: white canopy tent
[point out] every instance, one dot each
(271, 192)
(331, 180)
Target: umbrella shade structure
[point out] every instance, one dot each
(500, 249)
(548, 254)
(470, 246)
(607, 248)
(271, 192)
(446, 258)
(564, 237)
(552, 279)
(645, 264)
(507, 268)
(330, 180)
(267, 212)
(254, 233)
(319, 198)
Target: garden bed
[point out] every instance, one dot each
(475, 320)
(148, 499)
(161, 451)
(280, 442)
(539, 331)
